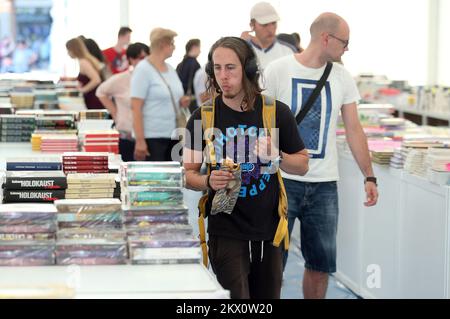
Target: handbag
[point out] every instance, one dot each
(181, 114)
(313, 97)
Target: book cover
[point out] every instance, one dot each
(37, 166)
(35, 180)
(18, 196)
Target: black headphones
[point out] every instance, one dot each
(250, 64)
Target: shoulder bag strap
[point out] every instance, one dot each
(313, 97)
(174, 104)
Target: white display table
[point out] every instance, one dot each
(127, 281)
(17, 150)
(400, 247)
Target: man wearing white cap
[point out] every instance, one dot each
(263, 21)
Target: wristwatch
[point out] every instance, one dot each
(372, 179)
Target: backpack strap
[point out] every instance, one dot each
(207, 116)
(269, 120)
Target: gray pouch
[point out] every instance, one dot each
(225, 199)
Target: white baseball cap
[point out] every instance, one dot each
(263, 13)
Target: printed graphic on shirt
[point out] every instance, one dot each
(315, 126)
(239, 143)
(119, 61)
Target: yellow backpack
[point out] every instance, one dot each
(269, 121)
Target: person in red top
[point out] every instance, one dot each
(116, 56)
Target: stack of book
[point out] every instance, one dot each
(82, 162)
(69, 97)
(161, 236)
(55, 123)
(91, 252)
(94, 238)
(86, 185)
(438, 159)
(155, 216)
(165, 249)
(415, 162)
(152, 184)
(397, 159)
(382, 157)
(94, 115)
(393, 124)
(6, 108)
(15, 128)
(27, 234)
(39, 135)
(99, 141)
(22, 97)
(382, 150)
(34, 186)
(55, 134)
(70, 103)
(437, 163)
(34, 164)
(27, 253)
(45, 99)
(58, 143)
(27, 221)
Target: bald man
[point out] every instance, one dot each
(313, 198)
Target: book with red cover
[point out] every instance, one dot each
(111, 149)
(85, 163)
(83, 156)
(101, 141)
(86, 171)
(85, 167)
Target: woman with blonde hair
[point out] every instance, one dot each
(157, 97)
(90, 72)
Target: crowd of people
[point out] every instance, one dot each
(264, 103)
(22, 56)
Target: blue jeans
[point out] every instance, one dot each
(316, 207)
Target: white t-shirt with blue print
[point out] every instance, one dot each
(292, 83)
(158, 112)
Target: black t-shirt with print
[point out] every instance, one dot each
(255, 216)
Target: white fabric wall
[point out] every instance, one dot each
(387, 36)
(444, 43)
(97, 19)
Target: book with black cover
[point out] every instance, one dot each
(21, 196)
(23, 180)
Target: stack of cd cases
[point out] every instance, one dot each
(90, 232)
(91, 252)
(155, 216)
(164, 249)
(101, 214)
(161, 236)
(27, 234)
(152, 185)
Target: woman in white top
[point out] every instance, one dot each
(155, 88)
